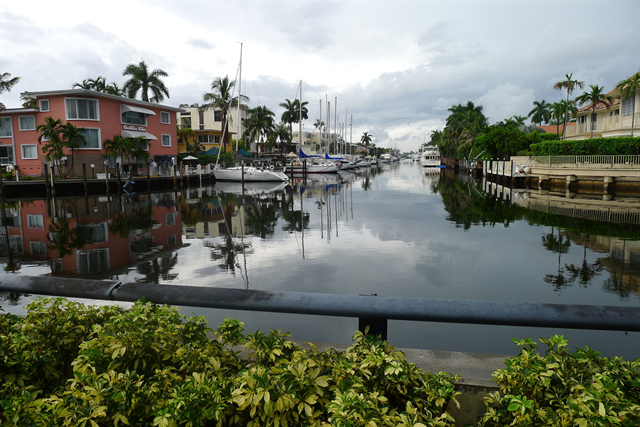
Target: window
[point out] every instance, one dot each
(166, 140)
(82, 109)
(27, 122)
(35, 221)
(209, 139)
(171, 240)
(94, 233)
(92, 138)
(627, 106)
(15, 243)
(201, 119)
(5, 127)
(6, 155)
(217, 117)
(143, 145)
(134, 118)
(44, 105)
(38, 248)
(13, 219)
(92, 261)
(171, 218)
(29, 151)
(165, 118)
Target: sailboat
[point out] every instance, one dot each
(246, 173)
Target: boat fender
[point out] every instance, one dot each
(271, 167)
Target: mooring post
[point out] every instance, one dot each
(47, 184)
(84, 177)
(148, 175)
(118, 174)
(1, 189)
(175, 183)
(53, 181)
(106, 175)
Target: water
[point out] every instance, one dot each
(392, 231)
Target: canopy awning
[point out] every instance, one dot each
(127, 107)
(134, 134)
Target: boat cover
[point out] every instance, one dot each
(328, 157)
(302, 155)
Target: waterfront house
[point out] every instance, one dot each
(607, 122)
(100, 116)
(207, 126)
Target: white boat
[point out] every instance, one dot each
(430, 157)
(315, 166)
(249, 173)
(250, 188)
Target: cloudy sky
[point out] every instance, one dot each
(395, 66)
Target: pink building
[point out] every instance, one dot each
(99, 115)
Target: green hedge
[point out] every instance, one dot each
(70, 365)
(594, 146)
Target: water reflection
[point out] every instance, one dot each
(90, 235)
(398, 230)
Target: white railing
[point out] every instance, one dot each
(612, 162)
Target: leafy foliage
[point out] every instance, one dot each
(67, 364)
(594, 146)
(561, 388)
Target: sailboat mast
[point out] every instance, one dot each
(351, 134)
(320, 124)
(300, 123)
(239, 98)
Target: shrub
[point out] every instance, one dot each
(66, 364)
(594, 146)
(563, 388)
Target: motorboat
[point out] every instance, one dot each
(430, 157)
(249, 173)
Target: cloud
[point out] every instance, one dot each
(505, 100)
(201, 44)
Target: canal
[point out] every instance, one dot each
(397, 230)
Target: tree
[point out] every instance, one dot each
(144, 81)
(138, 152)
(222, 99)
(540, 113)
(86, 85)
(464, 124)
(51, 131)
(283, 135)
(628, 89)
(185, 134)
(118, 145)
(560, 110)
(259, 124)
(72, 138)
(28, 102)
(502, 140)
(114, 89)
(594, 97)
(7, 83)
(570, 85)
(518, 120)
(366, 139)
(289, 114)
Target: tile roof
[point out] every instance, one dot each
(599, 106)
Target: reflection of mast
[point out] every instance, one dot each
(335, 196)
(245, 274)
(302, 209)
(328, 218)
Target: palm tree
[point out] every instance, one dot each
(540, 112)
(283, 135)
(366, 139)
(144, 81)
(628, 89)
(51, 131)
(138, 152)
(118, 146)
(28, 102)
(7, 83)
(594, 97)
(185, 134)
(319, 124)
(570, 85)
(86, 85)
(114, 89)
(222, 99)
(72, 138)
(259, 124)
(289, 114)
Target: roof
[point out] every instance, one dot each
(19, 110)
(554, 128)
(599, 106)
(94, 94)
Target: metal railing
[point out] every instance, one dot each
(371, 311)
(587, 161)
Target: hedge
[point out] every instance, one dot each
(594, 146)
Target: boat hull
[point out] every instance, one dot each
(251, 174)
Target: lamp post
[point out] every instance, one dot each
(93, 170)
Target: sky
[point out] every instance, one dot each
(394, 67)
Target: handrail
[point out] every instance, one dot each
(371, 310)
